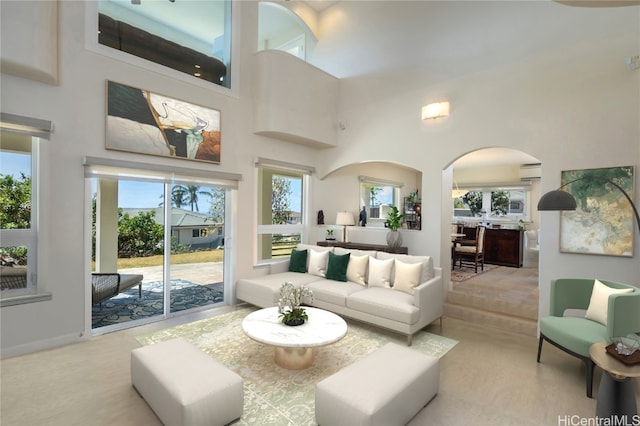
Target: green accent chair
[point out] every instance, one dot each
(572, 332)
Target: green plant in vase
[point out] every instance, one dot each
(330, 234)
(393, 223)
(290, 308)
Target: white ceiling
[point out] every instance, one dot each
(320, 5)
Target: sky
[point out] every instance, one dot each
(131, 194)
(12, 163)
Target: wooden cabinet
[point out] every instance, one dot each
(503, 247)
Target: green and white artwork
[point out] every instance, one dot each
(603, 221)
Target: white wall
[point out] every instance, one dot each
(573, 105)
(77, 109)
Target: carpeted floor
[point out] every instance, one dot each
(273, 395)
(127, 306)
(465, 273)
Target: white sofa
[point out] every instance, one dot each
(405, 299)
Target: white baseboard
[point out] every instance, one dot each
(41, 345)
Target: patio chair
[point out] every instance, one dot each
(104, 286)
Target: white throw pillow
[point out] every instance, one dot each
(318, 263)
(427, 263)
(380, 272)
(599, 303)
(357, 269)
(407, 276)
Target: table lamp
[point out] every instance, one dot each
(345, 219)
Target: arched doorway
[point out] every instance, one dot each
(497, 189)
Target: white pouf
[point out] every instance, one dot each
(185, 386)
(387, 387)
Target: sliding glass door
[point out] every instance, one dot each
(158, 245)
(197, 246)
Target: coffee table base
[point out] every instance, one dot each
(293, 358)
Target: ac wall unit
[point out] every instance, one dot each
(530, 171)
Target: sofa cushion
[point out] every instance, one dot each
(385, 303)
(298, 261)
(427, 263)
(334, 292)
(357, 269)
(267, 287)
(310, 247)
(407, 276)
(380, 272)
(599, 304)
(576, 334)
(337, 266)
(318, 263)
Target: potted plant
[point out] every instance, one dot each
(393, 223)
(330, 236)
(290, 308)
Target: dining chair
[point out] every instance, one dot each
(472, 255)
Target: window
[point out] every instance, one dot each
(495, 202)
(377, 196)
(18, 215)
(193, 37)
(281, 212)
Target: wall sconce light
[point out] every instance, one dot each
(345, 219)
(435, 110)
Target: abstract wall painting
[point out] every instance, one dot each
(603, 223)
(144, 122)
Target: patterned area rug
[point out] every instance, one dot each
(465, 273)
(126, 306)
(273, 395)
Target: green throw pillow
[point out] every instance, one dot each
(337, 267)
(298, 261)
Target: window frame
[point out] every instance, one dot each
(38, 132)
(487, 203)
(262, 230)
(364, 199)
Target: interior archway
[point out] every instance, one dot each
(498, 189)
(281, 29)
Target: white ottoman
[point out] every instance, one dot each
(185, 386)
(387, 387)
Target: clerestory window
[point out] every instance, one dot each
(193, 37)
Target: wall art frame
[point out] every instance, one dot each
(144, 122)
(603, 222)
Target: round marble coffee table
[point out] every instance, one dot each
(294, 344)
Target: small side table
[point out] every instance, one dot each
(616, 395)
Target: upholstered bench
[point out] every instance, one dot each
(387, 387)
(184, 386)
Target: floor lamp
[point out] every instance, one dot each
(559, 200)
(345, 219)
